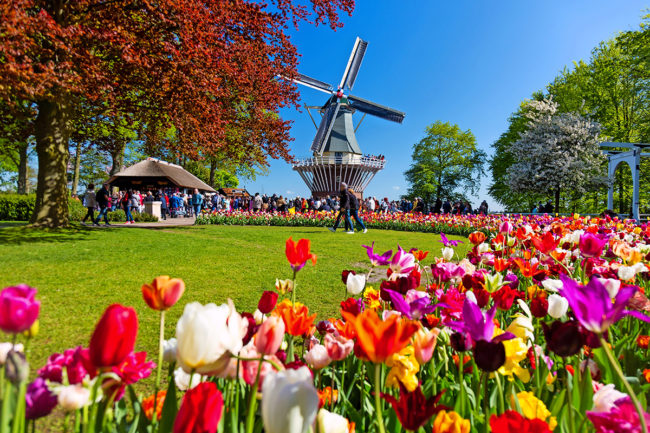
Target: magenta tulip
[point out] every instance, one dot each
(591, 245)
(18, 308)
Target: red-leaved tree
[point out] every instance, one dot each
(205, 68)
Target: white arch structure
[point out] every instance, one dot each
(630, 157)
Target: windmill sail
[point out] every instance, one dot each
(375, 109)
(308, 81)
(325, 127)
(352, 69)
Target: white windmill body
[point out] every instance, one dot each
(337, 156)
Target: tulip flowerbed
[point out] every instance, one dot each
(461, 225)
(541, 327)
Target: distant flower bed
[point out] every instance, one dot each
(542, 326)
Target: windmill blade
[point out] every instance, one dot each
(308, 81)
(325, 128)
(375, 109)
(352, 69)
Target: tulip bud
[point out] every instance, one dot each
(459, 342)
(163, 292)
(5, 348)
(18, 309)
(200, 410)
(338, 347)
(16, 367)
(33, 331)
(325, 327)
(114, 336)
(355, 284)
(317, 357)
(284, 286)
(270, 335)
(424, 343)
(557, 306)
(329, 422)
(539, 306)
(564, 339)
(169, 350)
(73, 397)
(267, 302)
(291, 394)
(447, 253)
(489, 356)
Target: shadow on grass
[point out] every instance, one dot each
(23, 234)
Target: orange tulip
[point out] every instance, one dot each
(296, 319)
(420, 255)
(477, 237)
(163, 292)
(148, 403)
(298, 253)
(378, 339)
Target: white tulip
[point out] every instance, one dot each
(169, 350)
(612, 285)
(606, 397)
(289, 401)
(552, 285)
(355, 284)
(471, 297)
(182, 379)
(557, 306)
(207, 336)
(447, 253)
(483, 248)
(317, 357)
(6, 347)
(258, 316)
(626, 273)
(329, 422)
(73, 397)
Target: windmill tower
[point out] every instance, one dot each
(337, 156)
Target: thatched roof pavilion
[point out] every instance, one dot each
(153, 173)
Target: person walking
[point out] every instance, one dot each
(101, 199)
(163, 204)
(354, 210)
(197, 202)
(90, 202)
(129, 202)
(344, 210)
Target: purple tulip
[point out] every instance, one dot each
(479, 326)
(593, 307)
(18, 308)
(416, 309)
(591, 245)
(378, 259)
(448, 243)
(39, 400)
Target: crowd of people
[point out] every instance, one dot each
(175, 204)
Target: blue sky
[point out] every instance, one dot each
(466, 62)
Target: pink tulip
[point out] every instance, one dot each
(317, 357)
(338, 347)
(591, 245)
(505, 227)
(270, 335)
(18, 308)
(424, 342)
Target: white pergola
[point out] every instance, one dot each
(631, 157)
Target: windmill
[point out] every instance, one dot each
(337, 156)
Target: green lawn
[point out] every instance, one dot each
(80, 271)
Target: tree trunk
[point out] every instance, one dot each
(213, 168)
(118, 161)
(23, 187)
(52, 135)
(77, 163)
(557, 200)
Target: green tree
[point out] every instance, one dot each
(446, 164)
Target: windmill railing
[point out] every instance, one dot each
(366, 161)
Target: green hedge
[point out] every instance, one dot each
(15, 207)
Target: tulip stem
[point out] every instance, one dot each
(380, 418)
(630, 391)
(161, 339)
(252, 402)
(569, 401)
(293, 290)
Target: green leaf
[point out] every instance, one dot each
(170, 408)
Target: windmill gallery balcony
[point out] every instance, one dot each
(324, 174)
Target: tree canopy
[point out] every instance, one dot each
(198, 66)
(446, 164)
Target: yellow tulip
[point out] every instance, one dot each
(450, 422)
(532, 408)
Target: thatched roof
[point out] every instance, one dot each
(154, 173)
(234, 192)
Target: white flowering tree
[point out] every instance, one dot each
(558, 152)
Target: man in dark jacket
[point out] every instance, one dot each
(102, 200)
(344, 210)
(354, 210)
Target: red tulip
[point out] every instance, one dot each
(163, 292)
(298, 253)
(513, 422)
(201, 410)
(413, 409)
(267, 302)
(114, 336)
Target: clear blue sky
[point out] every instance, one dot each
(466, 62)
